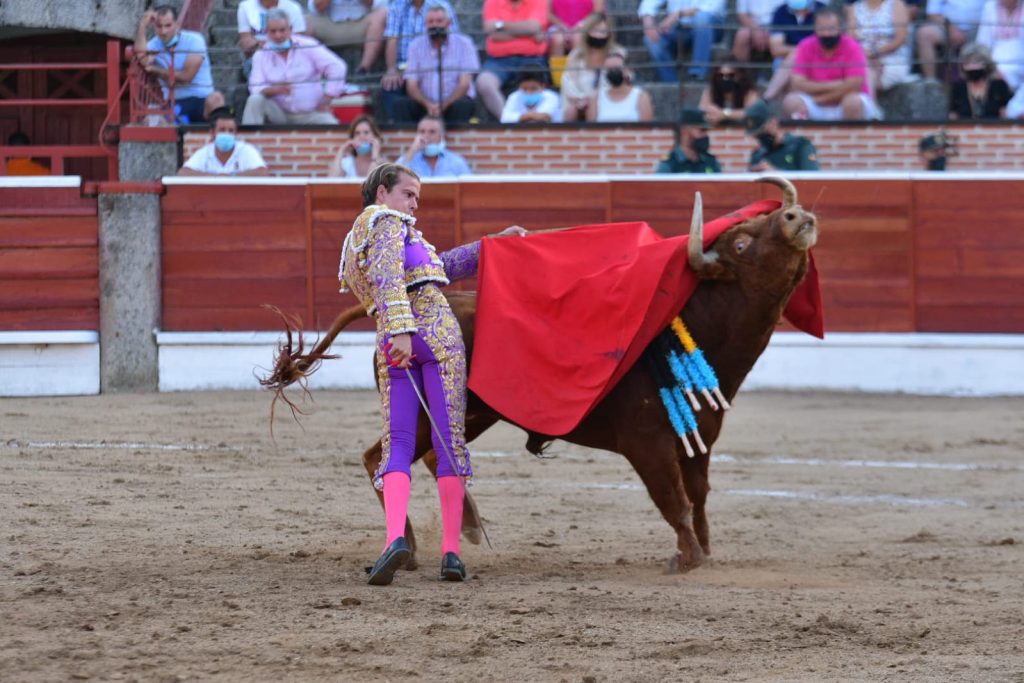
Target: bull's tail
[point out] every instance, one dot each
(293, 365)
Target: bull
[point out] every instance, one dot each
(746, 279)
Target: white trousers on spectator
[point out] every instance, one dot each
(260, 110)
(817, 112)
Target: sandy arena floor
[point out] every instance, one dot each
(166, 538)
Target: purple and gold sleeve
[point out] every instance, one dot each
(461, 262)
(385, 273)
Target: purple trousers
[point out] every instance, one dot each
(439, 372)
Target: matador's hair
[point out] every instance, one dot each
(386, 175)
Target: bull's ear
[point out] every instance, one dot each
(704, 263)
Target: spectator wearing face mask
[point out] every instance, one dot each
(361, 152)
(776, 150)
(830, 76)
(584, 67)
(621, 101)
(225, 154)
(982, 94)
(428, 156)
(792, 22)
(727, 94)
(690, 152)
(532, 102)
(934, 150)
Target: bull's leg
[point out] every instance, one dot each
(657, 463)
(695, 479)
(476, 424)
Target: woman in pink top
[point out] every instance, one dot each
(565, 17)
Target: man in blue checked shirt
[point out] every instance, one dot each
(407, 19)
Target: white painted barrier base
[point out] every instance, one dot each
(928, 364)
(49, 363)
(196, 361)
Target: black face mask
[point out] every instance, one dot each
(437, 33)
(829, 42)
(937, 164)
(726, 86)
(975, 75)
(615, 77)
(767, 140)
(701, 145)
(596, 42)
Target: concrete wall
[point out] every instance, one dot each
(109, 17)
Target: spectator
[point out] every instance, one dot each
(189, 76)
(752, 42)
(584, 66)
(567, 18)
(427, 154)
(687, 22)
(934, 149)
(830, 79)
(444, 89)
(339, 23)
(982, 94)
(777, 151)
(532, 102)
(225, 154)
(23, 166)
(690, 152)
(792, 22)
(516, 40)
(407, 19)
(620, 101)
(728, 94)
(285, 83)
(361, 152)
(252, 21)
(951, 24)
(1002, 32)
(880, 26)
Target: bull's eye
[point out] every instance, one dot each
(741, 243)
(790, 216)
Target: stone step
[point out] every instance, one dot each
(225, 57)
(222, 17)
(223, 36)
(921, 100)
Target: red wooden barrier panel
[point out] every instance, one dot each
(894, 255)
(49, 272)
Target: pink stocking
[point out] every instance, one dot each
(396, 504)
(451, 492)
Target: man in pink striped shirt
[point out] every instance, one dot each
(829, 81)
(293, 78)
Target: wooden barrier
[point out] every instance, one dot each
(895, 255)
(49, 262)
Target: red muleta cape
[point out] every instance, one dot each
(562, 316)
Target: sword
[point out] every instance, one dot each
(447, 450)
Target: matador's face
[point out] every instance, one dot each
(404, 196)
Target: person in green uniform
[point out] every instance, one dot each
(777, 151)
(690, 153)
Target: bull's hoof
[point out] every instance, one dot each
(472, 534)
(411, 564)
(680, 563)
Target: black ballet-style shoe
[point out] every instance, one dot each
(452, 568)
(392, 559)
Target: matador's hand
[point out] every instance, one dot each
(512, 230)
(399, 350)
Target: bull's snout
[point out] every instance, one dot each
(800, 228)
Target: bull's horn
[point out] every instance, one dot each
(695, 247)
(788, 191)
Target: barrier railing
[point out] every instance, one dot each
(58, 153)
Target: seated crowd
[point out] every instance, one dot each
(549, 61)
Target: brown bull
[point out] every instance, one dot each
(747, 277)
